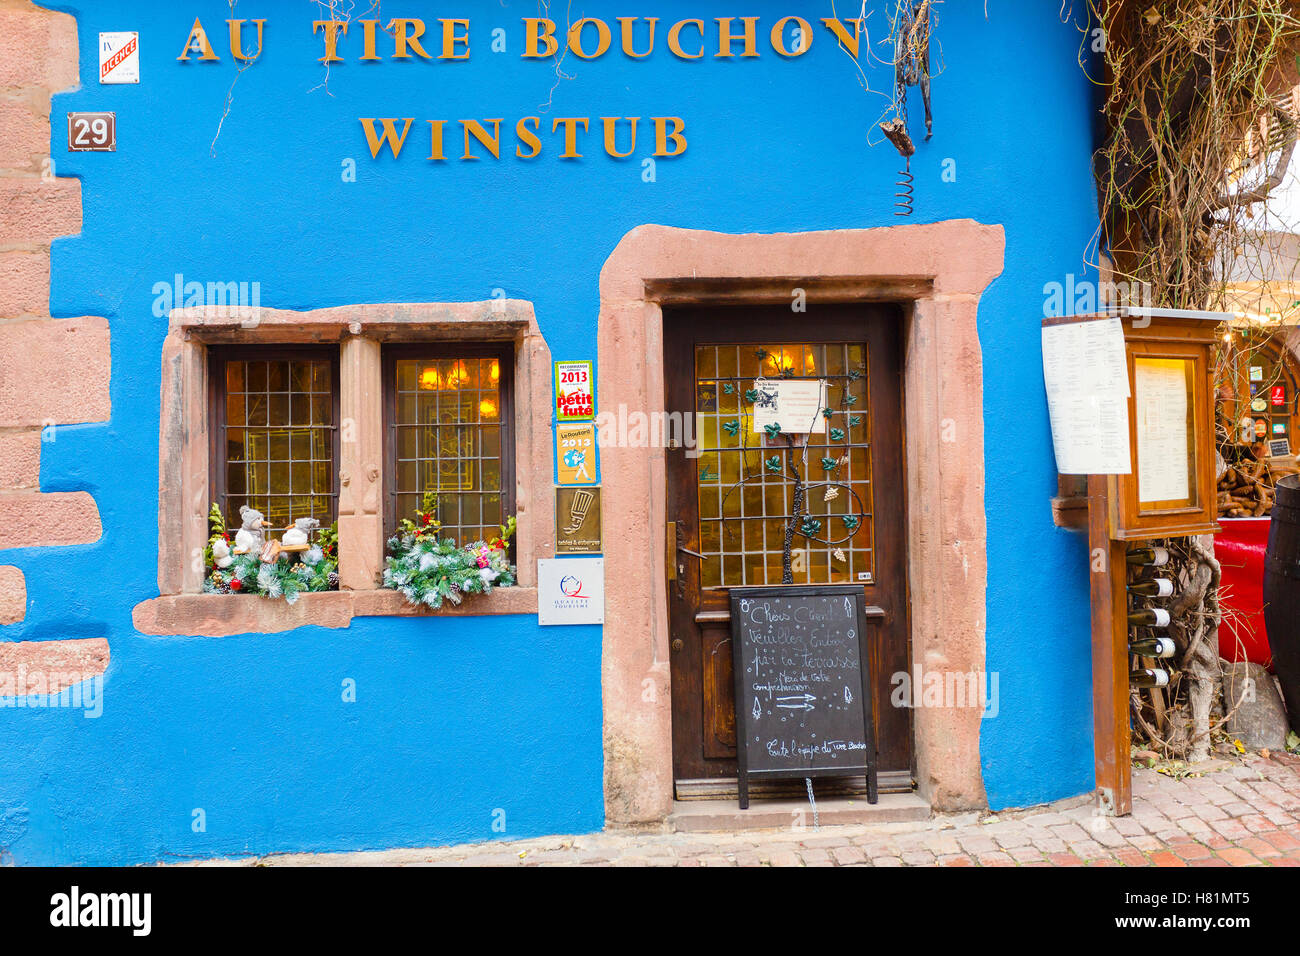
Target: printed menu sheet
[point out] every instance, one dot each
(1086, 374)
(796, 405)
(1163, 469)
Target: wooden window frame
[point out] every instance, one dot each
(504, 353)
(218, 356)
(359, 334)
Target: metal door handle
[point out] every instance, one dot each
(674, 569)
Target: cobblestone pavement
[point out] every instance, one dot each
(1247, 814)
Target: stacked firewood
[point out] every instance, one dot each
(1246, 488)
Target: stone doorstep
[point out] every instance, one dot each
(701, 816)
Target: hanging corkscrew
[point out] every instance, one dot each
(912, 23)
(896, 131)
(906, 192)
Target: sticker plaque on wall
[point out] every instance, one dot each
(119, 57)
(575, 454)
(577, 521)
(570, 591)
(574, 400)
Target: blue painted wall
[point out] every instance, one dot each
(459, 717)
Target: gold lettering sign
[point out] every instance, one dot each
(571, 137)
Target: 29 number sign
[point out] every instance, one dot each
(92, 132)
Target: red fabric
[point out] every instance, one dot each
(1240, 549)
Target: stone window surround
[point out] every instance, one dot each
(937, 273)
(360, 331)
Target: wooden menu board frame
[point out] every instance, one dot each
(865, 613)
(1117, 517)
(1183, 340)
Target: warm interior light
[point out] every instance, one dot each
(457, 376)
(784, 362)
(487, 408)
(495, 372)
(429, 378)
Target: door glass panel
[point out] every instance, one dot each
(747, 482)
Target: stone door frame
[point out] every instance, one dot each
(937, 273)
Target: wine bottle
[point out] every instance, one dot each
(1149, 617)
(1153, 647)
(1156, 587)
(1150, 557)
(1148, 677)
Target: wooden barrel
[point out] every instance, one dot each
(1282, 593)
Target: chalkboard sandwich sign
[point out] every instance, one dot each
(803, 684)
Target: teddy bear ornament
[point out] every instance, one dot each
(249, 537)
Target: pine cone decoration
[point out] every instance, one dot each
(334, 580)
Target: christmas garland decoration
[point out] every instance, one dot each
(429, 570)
(230, 573)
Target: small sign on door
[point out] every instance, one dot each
(798, 406)
(92, 132)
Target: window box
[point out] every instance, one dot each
(216, 615)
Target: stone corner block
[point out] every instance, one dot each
(38, 48)
(54, 371)
(36, 212)
(36, 520)
(13, 595)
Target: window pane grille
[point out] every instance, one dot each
(448, 437)
(278, 434)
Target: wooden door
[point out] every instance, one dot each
(730, 497)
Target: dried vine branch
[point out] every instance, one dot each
(1187, 81)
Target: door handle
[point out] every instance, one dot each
(677, 572)
(673, 548)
